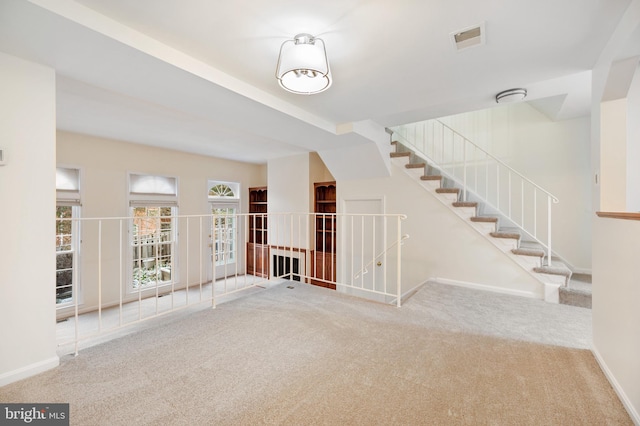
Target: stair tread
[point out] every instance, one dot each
(448, 190)
(488, 219)
(414, 165)
(574, 298)
(465, 204)
(400, 154)
(500, 234)
(431, 177)
(528, 252)
(553, 270)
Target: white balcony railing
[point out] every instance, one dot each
(107, 297)
(483, 177)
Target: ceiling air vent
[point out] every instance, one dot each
(468, 37)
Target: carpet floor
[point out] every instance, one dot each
(297, 354)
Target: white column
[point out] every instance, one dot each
(27, 215)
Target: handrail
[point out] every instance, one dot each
(619, 215)
(460, 159)
(497, 160)
(365, 269)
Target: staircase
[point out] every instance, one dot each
(577, 292)
(561, 286)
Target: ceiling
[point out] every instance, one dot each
(198, 75)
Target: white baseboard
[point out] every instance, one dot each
(485, 287)
(29, 370)
(628, 405)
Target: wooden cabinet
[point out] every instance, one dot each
(258, 245)
(258, 259)
(324, 258)
(324, 268)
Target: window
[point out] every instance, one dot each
(224, 200)
(154, 202)
(67, 209)
(221, 190)
(224, 190)
(153, 240)
(64, 254)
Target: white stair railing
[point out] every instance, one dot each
(483, 177)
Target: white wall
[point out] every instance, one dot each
(289, 192)
(105, 165)
(441, 244)
(633, 145)
(27, 191)
(616, 317)
(554, 154)
(615, 247)
(613, 158)
(288, 182)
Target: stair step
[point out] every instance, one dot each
(509, 235)
(415, 165)
(465, 204)
(485, 219)
(528, 252)
(400, 154)
(431, 177)
(553, 270)
(448, 190)
(574, 297)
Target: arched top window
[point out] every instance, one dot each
(221, 190)
(224, 190)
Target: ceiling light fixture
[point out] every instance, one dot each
(303, 67)
(511, 95)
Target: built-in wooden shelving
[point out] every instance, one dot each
(258, 245)
(324, 258)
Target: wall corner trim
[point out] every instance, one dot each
(626, 402)
(29, 370)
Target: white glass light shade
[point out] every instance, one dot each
(303, 67)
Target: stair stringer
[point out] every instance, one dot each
(550, 283)
(470, 258)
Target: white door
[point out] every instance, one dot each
(225, 240)
(363, 240)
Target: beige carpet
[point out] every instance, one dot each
(307, 355)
